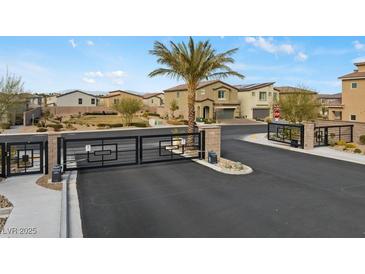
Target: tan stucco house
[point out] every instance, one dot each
(113, 97)
(76, 98)
(353, 94)
(331, 106)
(256, 100)
(214, 100)
(153, 99)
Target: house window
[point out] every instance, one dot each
(353, 117)
(221, 94)
(93, 101)
(253, 93)
(178, 94)
(354, 85)
(262, 96)
(116, 101)
(80, 101)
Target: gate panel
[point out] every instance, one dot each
(99, 152)
(328, 135)
(170, 147)
(286, 133)
(2, 160)
(24, 158)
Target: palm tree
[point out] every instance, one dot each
(193, 63)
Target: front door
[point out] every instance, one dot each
(206, 112)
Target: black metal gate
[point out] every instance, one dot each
(129, 150)
(170, 147)
(24, 158)
(99, 152)
(328, 135)
(2, 159)
(292, 134)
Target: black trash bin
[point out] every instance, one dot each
(57, 174)
(212, 157)
(294, 143)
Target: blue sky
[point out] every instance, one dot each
(49, 64)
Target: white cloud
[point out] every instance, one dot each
(359, 59)
(94, 74)
(72, 43)
(268, 45)
(301, 56)
(89, 80)
(116, 74)
(90, 43)
(358, 45)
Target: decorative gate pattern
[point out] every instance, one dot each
(24, 158)
(286, 133)
(327, 135)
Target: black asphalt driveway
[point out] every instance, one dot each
(289, 194)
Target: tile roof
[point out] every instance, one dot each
(330, 96)
(151, 94)
(249, 87)
(200, 85)
(288, 89)
(118, 92)
(76, 90)
(355, 74)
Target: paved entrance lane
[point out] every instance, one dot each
(288, 195)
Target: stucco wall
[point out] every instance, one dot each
(248, 102)
(154, 101)
(72, 99)
(29, 115)
(353, 100)
(109, 101)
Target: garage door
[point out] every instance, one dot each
(260, 113)
(227, 113)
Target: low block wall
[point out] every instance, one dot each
(29, 115)
(358, 130)
(61, 111)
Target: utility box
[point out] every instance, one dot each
(57, 174)
(212, 157)
(294, 143)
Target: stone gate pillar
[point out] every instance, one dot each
(308, 135)
(52, 150)
(212, 139)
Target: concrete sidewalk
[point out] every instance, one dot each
(328, 152)
(36, 212)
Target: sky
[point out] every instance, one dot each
(100, 64)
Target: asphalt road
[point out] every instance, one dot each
(289, 194)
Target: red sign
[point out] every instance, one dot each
(276, 111)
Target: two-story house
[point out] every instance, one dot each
(214, 100)
(155, 99)
(114, 97)
(76, 98)
(256, 100)
(353, 94)
(331, 106)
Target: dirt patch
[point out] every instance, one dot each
(4, 202)
(43, 182)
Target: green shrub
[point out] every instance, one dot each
(341, 143)
(42, 129)
(357, 150)
(139, 124)
(41, 124)
(55, 126)
(199, 119)
(268, 119)
(350, 145)
(174, 122)
(5, 125)
(362, 139)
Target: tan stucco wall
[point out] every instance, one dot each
(109, 101)
(71, 100)
(208, 92)
(249, 102)
(353, 100)
(154, 101)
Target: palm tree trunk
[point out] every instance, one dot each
(191, 112)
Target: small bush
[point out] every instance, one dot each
(140, 124)
(350, 145)
(357, 150)
(268, 120)
(5, 125)
(174, 122)
(55, 126)
(116, 125)
(345, 149)
(362, 139)
(199, 119)
(42, 129)
(41, 124)
(341, 143)
(101, 125)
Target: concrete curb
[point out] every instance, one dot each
(246, 170)
(70, 211)
(246, 138)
